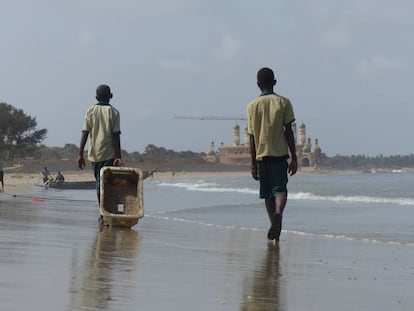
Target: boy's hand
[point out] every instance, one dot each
(81, 162)
(118, 162)
(254, 172)
(293, 167)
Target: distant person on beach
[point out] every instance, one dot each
(46, 176)
(102, 124)
(269, 120)
(1, 177)
(59, 178)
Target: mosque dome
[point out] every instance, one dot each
(236, 127)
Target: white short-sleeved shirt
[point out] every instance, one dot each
(101, 121)
(267, 116)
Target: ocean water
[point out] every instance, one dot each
(202, 245)
(374, 207)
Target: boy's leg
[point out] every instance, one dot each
(280, 202)
(97, 173)
(279, 190)
(275, 207)
(96, 166)
(273, 181)
(270, 207)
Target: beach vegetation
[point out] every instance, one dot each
(364, 162)
(19, 135)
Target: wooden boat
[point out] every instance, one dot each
(75, 185)
(85, 185)
(121, 198)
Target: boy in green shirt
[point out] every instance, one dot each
(102, 125)
(269, 120)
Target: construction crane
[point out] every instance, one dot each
(215, 118)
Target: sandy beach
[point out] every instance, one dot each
(16, 182)
(54, 256)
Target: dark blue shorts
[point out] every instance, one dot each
(273, 178)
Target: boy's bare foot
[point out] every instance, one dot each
(275, 228)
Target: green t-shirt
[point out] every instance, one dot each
(101, 121)
(267, 116)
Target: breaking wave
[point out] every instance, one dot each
(306, 196)
(208, 187)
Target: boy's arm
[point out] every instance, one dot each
(84, 139)
(253, 167)
(116, 139)
(290, 139)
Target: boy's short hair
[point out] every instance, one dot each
(103, 93)
(265, 77)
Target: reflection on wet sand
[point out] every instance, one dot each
(262, 292)
(105, 278)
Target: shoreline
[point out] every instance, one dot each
(18, 182)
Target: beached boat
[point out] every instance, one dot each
(75, 185)
(85, 185)
(121, 201)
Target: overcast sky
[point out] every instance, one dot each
(347, 67)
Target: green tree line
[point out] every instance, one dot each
(159, 155)
(18, 133)
(152, 153)
(366, 162)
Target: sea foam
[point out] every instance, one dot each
(202, 186)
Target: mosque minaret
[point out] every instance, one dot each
(302, 134)
(246, 137)
(236, 135)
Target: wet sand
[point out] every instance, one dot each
(54, 256)
(20, 181)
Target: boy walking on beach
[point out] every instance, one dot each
(269, 119)
(102, 124)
